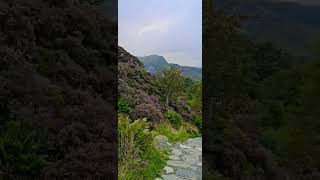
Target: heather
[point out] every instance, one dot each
(165, 104)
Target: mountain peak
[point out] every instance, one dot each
(154, 63)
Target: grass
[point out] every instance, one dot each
(175, 135)
(138, 158)
(157, 161)
(147, 168)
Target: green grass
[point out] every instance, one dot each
(156, 162)
(146, 168)
(138, 158)
(185, 132)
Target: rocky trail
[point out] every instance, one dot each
(185, 161)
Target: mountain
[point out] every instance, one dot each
(136, 87)
(154, 63)
(288, 25)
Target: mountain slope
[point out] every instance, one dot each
(154, 63)
(58, 65)
(289, 25)
(136, 87)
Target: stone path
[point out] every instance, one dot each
(185, 161)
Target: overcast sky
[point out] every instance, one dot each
(170, 28)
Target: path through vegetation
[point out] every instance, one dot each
(185, 161)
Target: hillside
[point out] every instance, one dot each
(137, 88)
(58, 64)
(154, 63)
(288, 25)
(155, 111)
(260, 106)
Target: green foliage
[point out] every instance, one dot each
(195, 97)
(56, 73)
(170, 81)
(174, 135)
(138, 158)
(19, 149)
(123, 106)
(174, 118)
(198, 122)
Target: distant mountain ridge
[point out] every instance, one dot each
(154, 63)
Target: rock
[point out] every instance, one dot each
(161, 138)
(172, 157)
(181, 164)
(185, 161)
(193, 152)
(191, 159)
(186, 173)
(185, 147)
(176, 152)
(171, 177)
(168, 170)
(161, 141)
(194, 142)
(195, 168)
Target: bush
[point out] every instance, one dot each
(18, 150)
(138, 158)
(174, 118)
(198, 122)
(149, 111)
(123, 106)
(185, 132)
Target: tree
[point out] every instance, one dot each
(170, 81)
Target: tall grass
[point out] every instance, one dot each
(175, 135)
(138, 158)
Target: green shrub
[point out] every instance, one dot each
(123, 106)
(185, 132)
(138, 158)
(198, 122)
(18, 149)
(174, 118)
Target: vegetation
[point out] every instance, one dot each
(261, 106)
(138, 158)
(57, 107)
(175, 135)
(174, 118)
(170, 82)
(123, 106)
(168, 103)
(19, 148)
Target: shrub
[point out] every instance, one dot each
(185, 132)
(138, 158)
(123, 106)
(198, 122)
(18, 149)
(149, 111)
(174, 118)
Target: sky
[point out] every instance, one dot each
(170, 28)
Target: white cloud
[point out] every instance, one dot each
(184, 58)
(161, 26)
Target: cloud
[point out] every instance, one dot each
(184, 57)
(159, 27)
